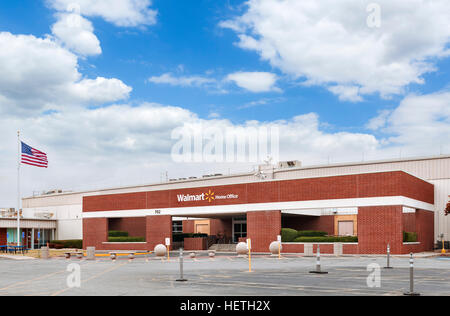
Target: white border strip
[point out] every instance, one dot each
(199, 211)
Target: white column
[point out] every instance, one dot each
(32, 238)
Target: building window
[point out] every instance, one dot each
(177, 226)
(239, 228)
(345, 228)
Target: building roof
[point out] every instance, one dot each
(246, 174)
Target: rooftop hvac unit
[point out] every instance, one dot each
(52, 192)
(289, 164)
(45, 215)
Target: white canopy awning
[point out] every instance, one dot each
(28, 223)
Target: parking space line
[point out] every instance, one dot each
(91, 278)
(42, 277)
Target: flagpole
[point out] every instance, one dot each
(18, 189)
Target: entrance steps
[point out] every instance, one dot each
(223, 247)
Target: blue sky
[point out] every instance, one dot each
(189, 37)
(314, 67)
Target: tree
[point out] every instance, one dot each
(447, 210)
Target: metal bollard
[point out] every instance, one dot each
(388, 258)
(181, 279)
(411, 278)
(318, 267)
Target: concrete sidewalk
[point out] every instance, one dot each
(11, 257)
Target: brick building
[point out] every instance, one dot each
(337, 198)
(377, 207)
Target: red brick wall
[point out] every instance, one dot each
(409, 222)
(95, 232)
(126, 246)
(188, 226)
(263, 228)
(416, 189)
(319, 223)
(159, 228)
(195, 243)
(395, 183)
(135, 226)
(408, 248)
(378, 226)
(293, 248)
(350, 249)
(221, 226)
(324, 248)
(425, 229)
(3, 240)
(115, 202)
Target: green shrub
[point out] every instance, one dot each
(288, 234)
(409, 237)
(311, 233)
(117, 233)
(126, 239)
(327, 239)
(77, 244)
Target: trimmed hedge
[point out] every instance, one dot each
(117, 233)
(126, 239)
(311, 233)
(77, 243)
(409, 237)
(177, 237)
(288, 234)
(327, 239)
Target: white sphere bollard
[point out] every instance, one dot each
(160, 250)
(212, 254)
(274, 247)
(241, 248)
(192, 255)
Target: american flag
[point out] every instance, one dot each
(33, 157)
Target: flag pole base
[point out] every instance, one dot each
(411, 294)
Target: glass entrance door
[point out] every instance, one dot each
(239, 228)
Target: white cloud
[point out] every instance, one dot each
(133, 143)
(184, 81)
(39, 75)
(125, 13)
(261, 102)
(254, 81)
(125, 144)
(420, 124)
(329, 43)
(251, 81)
(100, 90)
(346, 93)
(77, 34)
(379, 121)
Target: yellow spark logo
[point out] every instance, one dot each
(209, 196)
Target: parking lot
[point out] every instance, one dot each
(223, 275)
